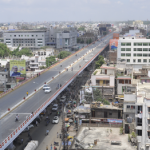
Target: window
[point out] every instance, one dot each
(139, 132)
(10, 35)
(135, 55)
(134, 49)
(139, 49)
(128, 44)
(122, 49)
(134, 60)
(139, 60)
(135, 44)
(110, 113)
(32, 35)
(145, 49)
(36, 35)
(123, 44)
(126, 81)
(27, 35)
(128, 49)
(149, 109)
(122, 54)
(128, 54)
(128, 106)
(139, 44)
(128, 60)
(149, 60)
(139, 55)
(21, 35)
(121, 81)
(145, 44)
(14, 35)
(145, 55)
(132, 107)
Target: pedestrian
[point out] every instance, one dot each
(29, 134)
(27, 93)
(51, 147)
(36, 123)
(39, 74)
(57, 134)
(47, 131)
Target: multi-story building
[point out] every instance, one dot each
(104, 79)
(63, 38)
(26, 38)
(135, 51)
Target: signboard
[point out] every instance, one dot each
(113, 44)
(114, 121)
(17, 68)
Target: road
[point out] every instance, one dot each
(8, 124)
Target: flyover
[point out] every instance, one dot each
(38, 100)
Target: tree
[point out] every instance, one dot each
(90, 41)
(81, 29)
(63, 54)
(99, 97)
(4, 50)
(78, 40)
(87, 41)
(50, 60)
(82, 41)
(24, 51)
(100, 61)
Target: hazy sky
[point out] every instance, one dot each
(73, 10)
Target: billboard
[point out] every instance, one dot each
(113, 44)
(17, 68)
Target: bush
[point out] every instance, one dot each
(95, 73)
(133, 134)
(121, 130)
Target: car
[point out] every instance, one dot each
(55, 107)
(56, 119)
(63, 99)
(45, 86)
(47, 89)
(28, 128)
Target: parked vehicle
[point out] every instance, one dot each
(63, 99)
(56, 119)
(55, 107)
(32, 145)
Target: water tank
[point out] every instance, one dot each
(129, 119)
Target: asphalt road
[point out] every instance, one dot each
(8, 124)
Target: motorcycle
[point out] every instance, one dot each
(47, 122)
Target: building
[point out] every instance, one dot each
(105, 111)
(63, 38)
(104, 79)
(33, 39)
(135, 51)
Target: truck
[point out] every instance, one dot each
(32, 145)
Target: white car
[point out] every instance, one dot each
(47, 89)
(45, 86)
(56, 119)
(28, 128)
(63, 99)
(55, 107)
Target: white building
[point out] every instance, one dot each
(136, 51)
(104, 78)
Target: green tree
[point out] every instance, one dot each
(78, 40)
(63, 54)
(4, 50)
(100, 62)
(82, 41)
(98, 97)
(87, 41)
(81, 28)
(50, 60)
(90, 41)
(24, 51)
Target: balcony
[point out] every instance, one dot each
(102, 84)
(34, 63)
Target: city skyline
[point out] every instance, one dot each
(79, 10)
